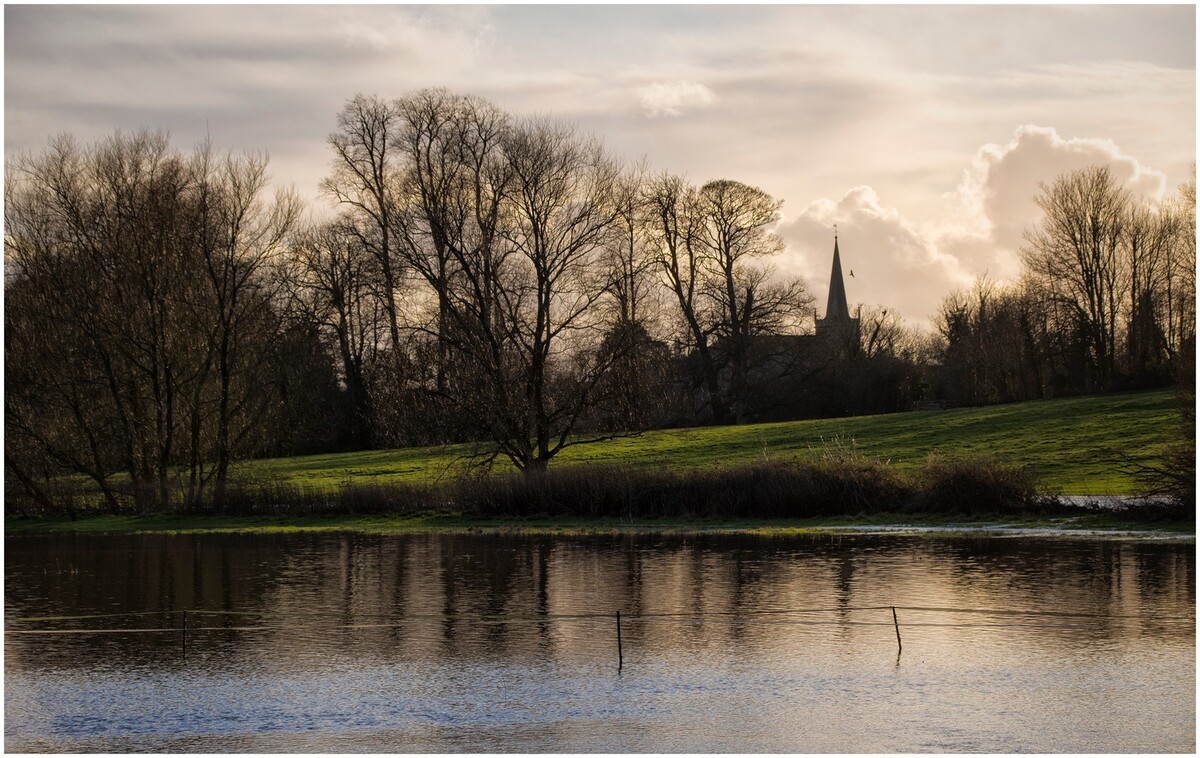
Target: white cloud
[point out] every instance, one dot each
(454, 37)
(997, 195)
(894, 263)
(910, 267)
(673, 98)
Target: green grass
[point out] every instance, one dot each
(1076, 446)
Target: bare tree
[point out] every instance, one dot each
(631, 308)
(240, 238)
(1179, 273)
(97, 231)
(364, 179)
(455, 190)
(1151, 232)
(710, 243)
(882, 332)
(149, 268)
(991, 349)
(506, 223)
(630, 280)
(673, 220)
(330, 284)
(1075, 253)
(562, 209)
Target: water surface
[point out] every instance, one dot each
(493, 643)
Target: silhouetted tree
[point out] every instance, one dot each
(141, 314)
(506, 223)
(330, 285)
(708, 244)
(1075, 254)
(363, 179)
(455, 185)
(239, 237)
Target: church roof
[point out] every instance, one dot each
(837, 309)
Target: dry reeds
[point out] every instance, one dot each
(977, 485)
(836, 482)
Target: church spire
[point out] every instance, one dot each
(837, 309)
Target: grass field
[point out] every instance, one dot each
(1076, 446)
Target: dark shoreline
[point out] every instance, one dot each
(841, 484)
(1088, 525)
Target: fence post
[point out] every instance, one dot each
(620, 655)
(896, 621)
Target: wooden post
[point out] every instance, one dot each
(896, 621)
(620, 656)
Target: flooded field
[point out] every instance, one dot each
(493, 643)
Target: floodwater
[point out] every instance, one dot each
(497, 643)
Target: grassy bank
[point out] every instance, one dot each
(1072, 446)
(1001, 462)
(833, 487)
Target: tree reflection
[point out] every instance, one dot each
(294, 601)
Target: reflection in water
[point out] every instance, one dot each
(497, 643)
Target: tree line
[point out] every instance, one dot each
(1107, 301)
(493, 279)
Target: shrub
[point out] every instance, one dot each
(836, 481)
(977, 485)
(1171, 480)
(796, 489)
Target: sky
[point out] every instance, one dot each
(922, 132)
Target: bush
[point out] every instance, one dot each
(977, 485)
(836, 481)
(773, 490)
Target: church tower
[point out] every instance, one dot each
(837, 322)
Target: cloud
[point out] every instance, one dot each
(673, 98)
(910, 267)
(1080, 81)
(803, 101)
(894, 263)
(997, 194)
(214, 72)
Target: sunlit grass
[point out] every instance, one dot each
(1074, 446)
